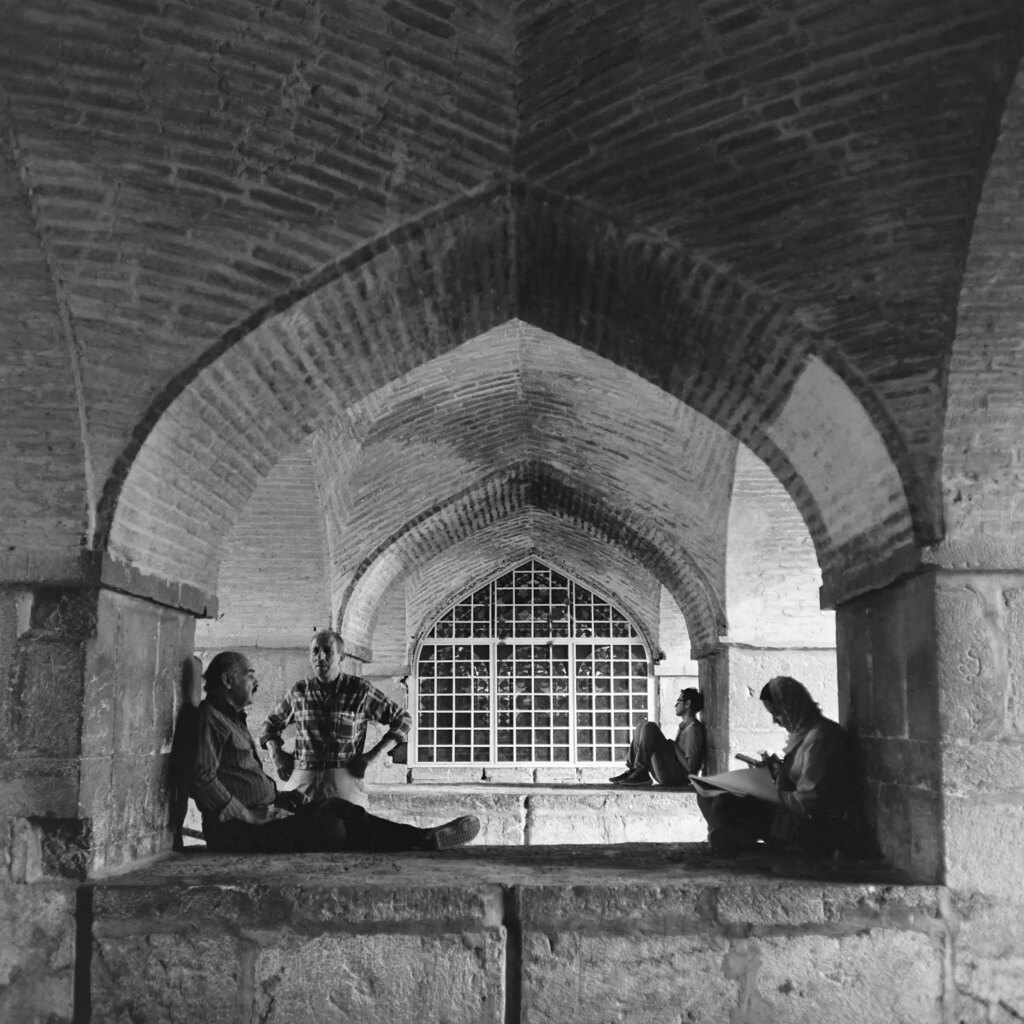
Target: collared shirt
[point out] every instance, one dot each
(690, 746)
(331, 720)
(227, 765)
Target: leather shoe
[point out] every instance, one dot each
(636, 777)
(456, 832)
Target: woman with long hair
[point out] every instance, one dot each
(815, 780)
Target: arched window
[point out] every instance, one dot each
(530, 669)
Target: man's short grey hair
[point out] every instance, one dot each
(336, 637)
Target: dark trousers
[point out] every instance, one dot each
(317, 827)
(652, 751)
(736, 823)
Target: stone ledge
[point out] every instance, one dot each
(487, 934)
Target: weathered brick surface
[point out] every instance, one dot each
(982, 481)
(189, 168)
(271, 583)
(768, 135)
(772, 575)
(45, 485)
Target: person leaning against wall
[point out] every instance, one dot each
(242, 810)
(816, 782)
(330, 711)
(671, 762)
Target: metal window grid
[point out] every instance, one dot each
(531, 669)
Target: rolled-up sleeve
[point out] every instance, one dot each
(278, 720)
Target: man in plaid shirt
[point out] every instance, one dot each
(330, 712)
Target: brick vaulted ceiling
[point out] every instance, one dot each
(229, 222)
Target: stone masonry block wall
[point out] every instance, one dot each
(580, 941)
(133, 678)
(750, 729)
(37, 943)
(538, 815)
(735, 955)
(888, 697)
(305, 955)
(931, 684)
(44, 634)
(980, 647)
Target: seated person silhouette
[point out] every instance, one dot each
(671, 762)
(817, 812)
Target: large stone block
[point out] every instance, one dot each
(44, 706)
(502, 813)
(37, 952)
(989, 960)
(169, 978)
(983, 845)
(614, 816)
(39, 786)
(664, 907)
(404, 979)
(983, 766)
(883, 977)
(972, 651)
(129, 798)
(636, 979)
(133, 676)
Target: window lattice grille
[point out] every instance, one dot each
(531, 669)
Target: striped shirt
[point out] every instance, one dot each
(331, 718)
(227, 763)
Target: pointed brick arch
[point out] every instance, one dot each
(527, 487)
(529, 533)
(692, 328)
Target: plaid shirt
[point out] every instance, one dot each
(330, 719)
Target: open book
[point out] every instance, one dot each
(743, 782)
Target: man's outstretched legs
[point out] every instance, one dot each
(365, 831)
(324, 826)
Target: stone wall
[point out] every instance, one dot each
(655, 934)
(733, 680)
